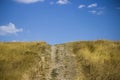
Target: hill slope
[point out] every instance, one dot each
(84, 60)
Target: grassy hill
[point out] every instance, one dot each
(81, 60)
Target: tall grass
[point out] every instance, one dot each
(94, 60)
(97, 60)
(18, 57)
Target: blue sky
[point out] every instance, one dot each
(59, 21)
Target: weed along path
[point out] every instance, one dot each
(62, 63)
(53, 54)
(59, 65)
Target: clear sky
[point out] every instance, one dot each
(59, 21)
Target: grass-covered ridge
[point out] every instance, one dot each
(93, 60)
(18, 57)
(99, 60)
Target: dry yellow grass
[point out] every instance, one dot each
(94, 60)
(18, 57)
(97, 60)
